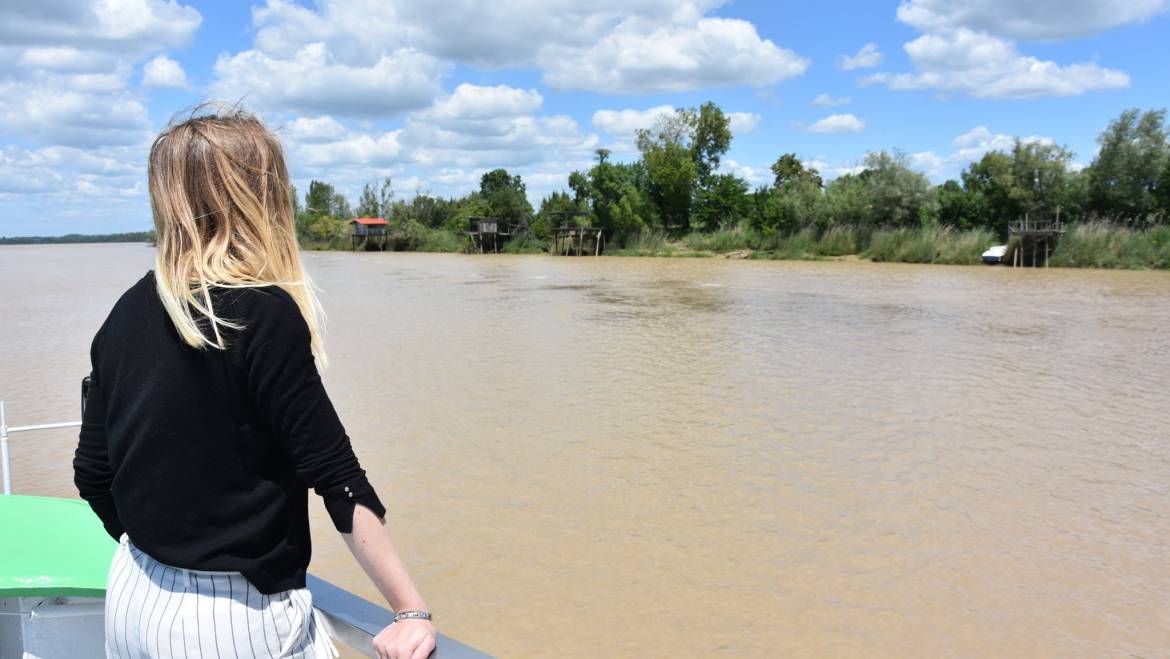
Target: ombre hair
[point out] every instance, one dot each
(220, 196)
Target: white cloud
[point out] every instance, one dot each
(966, 149)
(163, 71)
(313, 130)
(969, 46)
(47, 29)
(470, 129)
(378, 149)
(624, 123)
(756, 176)
(471, 102)
(985, 66)
(52, 113)
(642, 59)
(505, 142)
(65, 67)
(742, 123)
(1026, 21)
(610, 46)
(60, 58)
(826, 101)
(838, 123)
(311, 81)
(868, 57)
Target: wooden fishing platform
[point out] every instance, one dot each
(484, 230)
(570, 238)
(1036, 236)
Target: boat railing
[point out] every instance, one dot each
(350, 619)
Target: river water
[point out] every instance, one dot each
(596, 457)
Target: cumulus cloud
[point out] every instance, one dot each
(756, 176)
(163, 71)
(1027, 21)
(742, 123)
(968, 148)
(969, 46)
(312, 130)
(868, 57)
(826, 101)
(610, 46)
(472, 102)
(471, 129)
(639, 59)
(54, 113)
(64, 30)
(985, 66)
(838, 123)
(623, 123)
(65, 67)
(313, 82)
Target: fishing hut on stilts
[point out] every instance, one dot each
(571, 238)
(1036, 237)
(369, 232)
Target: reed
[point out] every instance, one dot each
(941, 245)
(1102, 245)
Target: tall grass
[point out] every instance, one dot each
(525, 244)
(804, 244)
(930, 245)
(646, 242)
(1101, 245)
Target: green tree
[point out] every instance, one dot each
(386, 197)
(368, 203)
(723, 203)
(789, 169)
(340, 209)
(1040, 177)
(710, 139)
(505, 197)
(958, 207)
(546, 221)
(991, 181)
(319, 198)
(672, 182)
(899, 196)
(1125, 175)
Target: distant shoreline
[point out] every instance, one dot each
(71, 238)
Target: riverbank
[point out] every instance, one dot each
(1091, 245)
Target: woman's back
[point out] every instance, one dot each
(208, 452)
(206, 420)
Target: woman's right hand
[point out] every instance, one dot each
(412, 638)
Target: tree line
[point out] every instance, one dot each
(676, 187)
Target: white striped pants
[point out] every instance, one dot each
(156, 610)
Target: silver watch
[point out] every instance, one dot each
(403, 615)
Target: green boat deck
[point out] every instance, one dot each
(52, 547)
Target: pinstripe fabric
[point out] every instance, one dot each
(156, 610)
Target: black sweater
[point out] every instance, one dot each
(204, 457)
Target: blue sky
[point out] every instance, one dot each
(361, 89)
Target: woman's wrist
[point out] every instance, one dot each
(411, 604)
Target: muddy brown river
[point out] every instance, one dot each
(639, 457)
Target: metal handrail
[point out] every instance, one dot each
(350, 619)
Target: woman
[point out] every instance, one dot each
(206, 422)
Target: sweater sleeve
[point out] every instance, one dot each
(92, 473)
(284, 383)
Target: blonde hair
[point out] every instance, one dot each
(220, 196)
